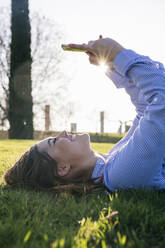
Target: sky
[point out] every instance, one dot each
(136, 25)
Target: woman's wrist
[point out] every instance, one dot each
(115, 51)
(113, 55)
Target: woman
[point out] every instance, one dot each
(136, 161)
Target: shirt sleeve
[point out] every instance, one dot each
(138, 162)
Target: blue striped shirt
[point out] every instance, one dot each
(138, 160)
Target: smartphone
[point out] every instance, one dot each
(67, 48)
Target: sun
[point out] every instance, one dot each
(103, 66)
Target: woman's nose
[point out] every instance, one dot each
(63, 134)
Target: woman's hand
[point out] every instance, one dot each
(101, 50)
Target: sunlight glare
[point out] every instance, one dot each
(103, 66)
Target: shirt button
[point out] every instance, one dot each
(157, 65)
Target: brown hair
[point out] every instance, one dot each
(38, 170)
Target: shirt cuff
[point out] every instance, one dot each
(126, 59)
(118, 80)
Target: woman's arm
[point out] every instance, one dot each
(136, 98)
(135, 94)
(138, 162)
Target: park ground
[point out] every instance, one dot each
(40, 219)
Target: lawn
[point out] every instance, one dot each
(41, 219)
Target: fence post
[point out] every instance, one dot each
(73, 127)
(102, 121)
(47, 117)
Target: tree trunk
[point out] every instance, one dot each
(20, 84)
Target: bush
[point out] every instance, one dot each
(105, 137)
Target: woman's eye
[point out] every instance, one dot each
(52, 141)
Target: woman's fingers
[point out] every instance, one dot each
(89, 48)
(78, 46)
(83, 47)
(93, 59)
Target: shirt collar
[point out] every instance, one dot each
(99, 168)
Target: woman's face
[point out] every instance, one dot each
(66, 147)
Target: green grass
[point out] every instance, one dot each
(39, 219)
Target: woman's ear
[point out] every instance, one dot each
(63, 169)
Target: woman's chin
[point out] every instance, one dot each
(86, 136)
(83, 138)
(87, 139)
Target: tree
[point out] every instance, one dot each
(20, 112)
